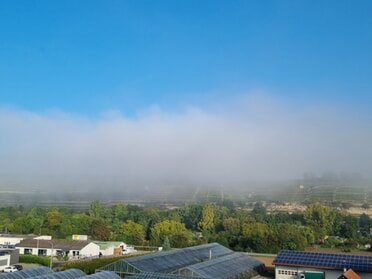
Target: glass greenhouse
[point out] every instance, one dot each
(168, 261)
(203, 261)
(66, 274)
(27, 273)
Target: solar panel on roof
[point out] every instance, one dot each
(324, 260)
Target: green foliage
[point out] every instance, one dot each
(95, 209)
(207, 216)
(238, 229)
(166, 244)
(99, 231)
(130, 232)
(34, 259)
(319, 217)
(177, 233)
(330, 243)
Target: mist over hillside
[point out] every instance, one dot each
(345, 189)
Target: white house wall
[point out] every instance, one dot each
(91, 250)
(36, 250)
(4, 240)
(4, 261)
(109, 251)
(292, 272)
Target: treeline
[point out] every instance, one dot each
(238, 229)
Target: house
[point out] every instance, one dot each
(65, 248)
(9, 241)
(8, 257)
(314, 265)
(110, 248)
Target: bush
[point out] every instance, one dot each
(330, 243)
(34, 259)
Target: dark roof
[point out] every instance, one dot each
(154, 275)
(57, 244)
(228, 266)
(171, 260)
(324, 260)
(27, 273)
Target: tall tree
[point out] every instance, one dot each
(99, 230)
(177, 233)
(206, 223)
(95, 209)
(319, 217)
(131, 233)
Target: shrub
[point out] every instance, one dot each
(34, 259)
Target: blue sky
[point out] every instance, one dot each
(90, 56)
(226, 64)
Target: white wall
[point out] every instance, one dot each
(4, 261)
(7, 240)
(329, 274)
(90, 250)
(109, 251)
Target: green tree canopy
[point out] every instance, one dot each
(131, 233)
(177, 233)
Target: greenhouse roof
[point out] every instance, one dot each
(27, 273)
(103, 275)
(227, 266)
(66, 274)
(154, 275)
(171, 260)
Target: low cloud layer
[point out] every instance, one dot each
(254, 138)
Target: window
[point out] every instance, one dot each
(28, 251)
(42, 252)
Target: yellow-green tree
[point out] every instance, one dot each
(206, 223)
(176, 232)
(320, 218)
(131, 232)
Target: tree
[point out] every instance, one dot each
(95, 209)
(319, 217)
(166, 244)
(21, 226)
(81, 224)
(99, 230)
(130, 232)
(191, 215)
(350, 227)
(206, 223)
(54, 220)
(177, 233)
(231, 225)
(365, 224)
(256, 237)
(259, 212)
